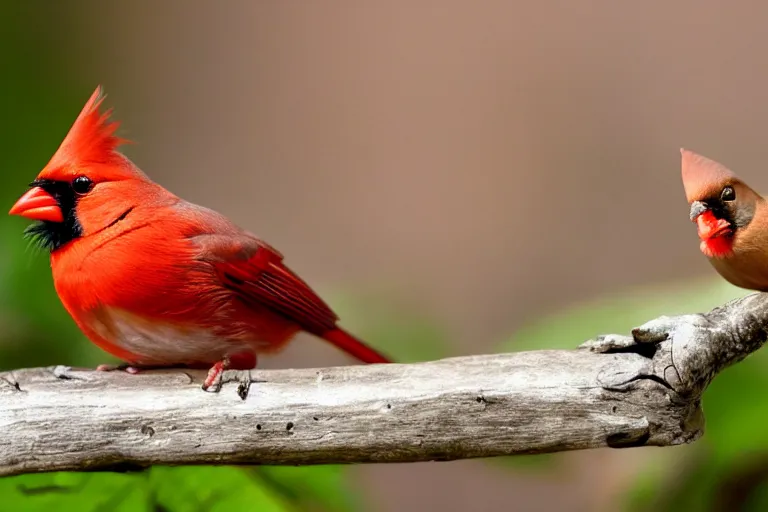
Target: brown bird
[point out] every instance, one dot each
(731, 218)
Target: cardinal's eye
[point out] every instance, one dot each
(728, 194)
(82, 185)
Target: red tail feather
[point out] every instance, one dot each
(353, 346)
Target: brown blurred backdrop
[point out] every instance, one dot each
(491, 160)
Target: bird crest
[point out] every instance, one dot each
(91, 139)
(703, 177)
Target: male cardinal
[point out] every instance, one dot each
(158, 281)
(732, 221)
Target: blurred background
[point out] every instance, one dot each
(454, 177)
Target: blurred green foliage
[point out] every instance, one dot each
(182, 489)
(38, 106)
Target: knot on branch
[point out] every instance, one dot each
(684, 353)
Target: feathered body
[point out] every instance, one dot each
(159, 281)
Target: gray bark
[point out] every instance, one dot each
(617, 391)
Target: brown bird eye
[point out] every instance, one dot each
(728, 194)
(82, 185)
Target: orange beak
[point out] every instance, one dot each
(37, 204)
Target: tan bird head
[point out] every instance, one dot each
(722, 206)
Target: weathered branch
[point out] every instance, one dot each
(616, 391)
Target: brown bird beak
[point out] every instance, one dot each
(37, 204)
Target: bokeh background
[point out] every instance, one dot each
(454, 177)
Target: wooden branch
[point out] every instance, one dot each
(616, 391)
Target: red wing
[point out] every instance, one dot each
(264, 278)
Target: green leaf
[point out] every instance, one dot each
(185, 489)
(312, 487)
(173, 489)
(212, 488)
(81, 492)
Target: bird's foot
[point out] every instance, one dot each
(241, 361)
(214, 376)
(214, 380)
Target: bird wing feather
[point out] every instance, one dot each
(255, 271)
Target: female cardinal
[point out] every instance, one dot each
(732, 221)
(158, 281)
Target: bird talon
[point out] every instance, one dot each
(214, 377)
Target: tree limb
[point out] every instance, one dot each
(617, 391)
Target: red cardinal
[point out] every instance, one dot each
(158, 281)
(732, 221)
